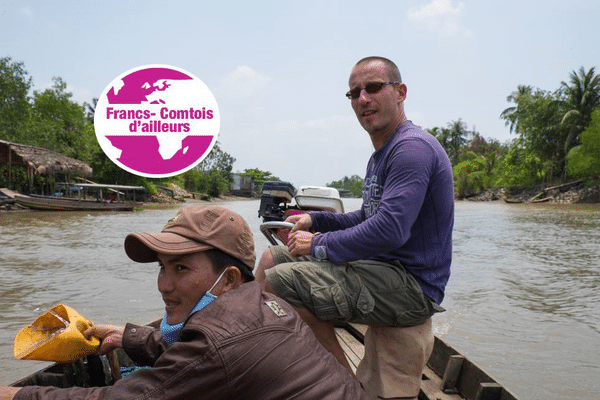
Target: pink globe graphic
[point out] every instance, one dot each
(143, 117)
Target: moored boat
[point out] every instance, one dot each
(54, 203)
(66, 204)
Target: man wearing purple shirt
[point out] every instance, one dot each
(387, 264)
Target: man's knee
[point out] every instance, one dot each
(266, 261)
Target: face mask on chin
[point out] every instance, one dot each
(170, 333)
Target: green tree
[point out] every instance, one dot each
(459, 134)
(443, 136)
(520, 166)
(14, 100)
(212, 175)
(471, 175)
(218, 160)
(354, 184)
(58, 123)
(259, 177)
(490, 151)
(539, 127)
(582, 98)
(90, 109)
(510, 115)
(583, 161)
(452, 138)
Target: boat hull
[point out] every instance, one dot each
(443, 378)
(60, 204)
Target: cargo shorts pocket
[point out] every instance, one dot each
(365, 304)
(414, 311)
(330, 303)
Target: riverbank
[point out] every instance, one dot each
(170, 196)
(157, 205)
(568, 193)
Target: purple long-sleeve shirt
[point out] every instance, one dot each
(407, 212)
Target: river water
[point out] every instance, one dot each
(523, 301)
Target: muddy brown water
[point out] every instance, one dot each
(523, 301)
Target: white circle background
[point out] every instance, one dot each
(181, 95)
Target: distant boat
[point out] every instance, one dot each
(513, 201)
(51, 203)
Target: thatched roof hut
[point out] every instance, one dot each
(39, 160)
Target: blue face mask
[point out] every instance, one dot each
(170, 333)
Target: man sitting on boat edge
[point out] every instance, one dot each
(222, 337)
(387, 264)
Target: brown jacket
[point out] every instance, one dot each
(245, 345)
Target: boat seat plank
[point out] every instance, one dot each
(463, 378)
(353, 349)
(431, 388)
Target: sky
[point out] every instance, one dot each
(279, 69)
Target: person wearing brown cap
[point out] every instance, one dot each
(221, 337)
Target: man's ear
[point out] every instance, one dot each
(402, 89)
(231, 279)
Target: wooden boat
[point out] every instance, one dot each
(513, 201)
(448, 375)
(66, 204)
(52, 203)
(5, 200)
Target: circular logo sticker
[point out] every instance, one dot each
(157, 121)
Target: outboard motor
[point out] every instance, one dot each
(274, 200)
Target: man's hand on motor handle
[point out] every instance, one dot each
(300, 243)
(302, 222)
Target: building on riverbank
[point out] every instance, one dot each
(36, 160)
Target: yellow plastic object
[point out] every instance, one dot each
(55, 336)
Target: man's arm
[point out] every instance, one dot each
(394, 212)
(190, 370)
(325, 221)
(143, 344)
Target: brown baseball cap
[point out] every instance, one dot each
(194, 229)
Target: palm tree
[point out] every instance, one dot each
(458, 134)
(443, 136)
(90, 109)
(582, 98)
(511, 114)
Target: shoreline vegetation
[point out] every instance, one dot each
(557, 143)
(569, 193)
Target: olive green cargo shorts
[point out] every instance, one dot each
(366, 292)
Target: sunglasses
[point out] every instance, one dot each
(370, 88)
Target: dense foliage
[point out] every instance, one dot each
(354, 185)
(259, 177)
(51, 119)
(583, 161)
(557, 138)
